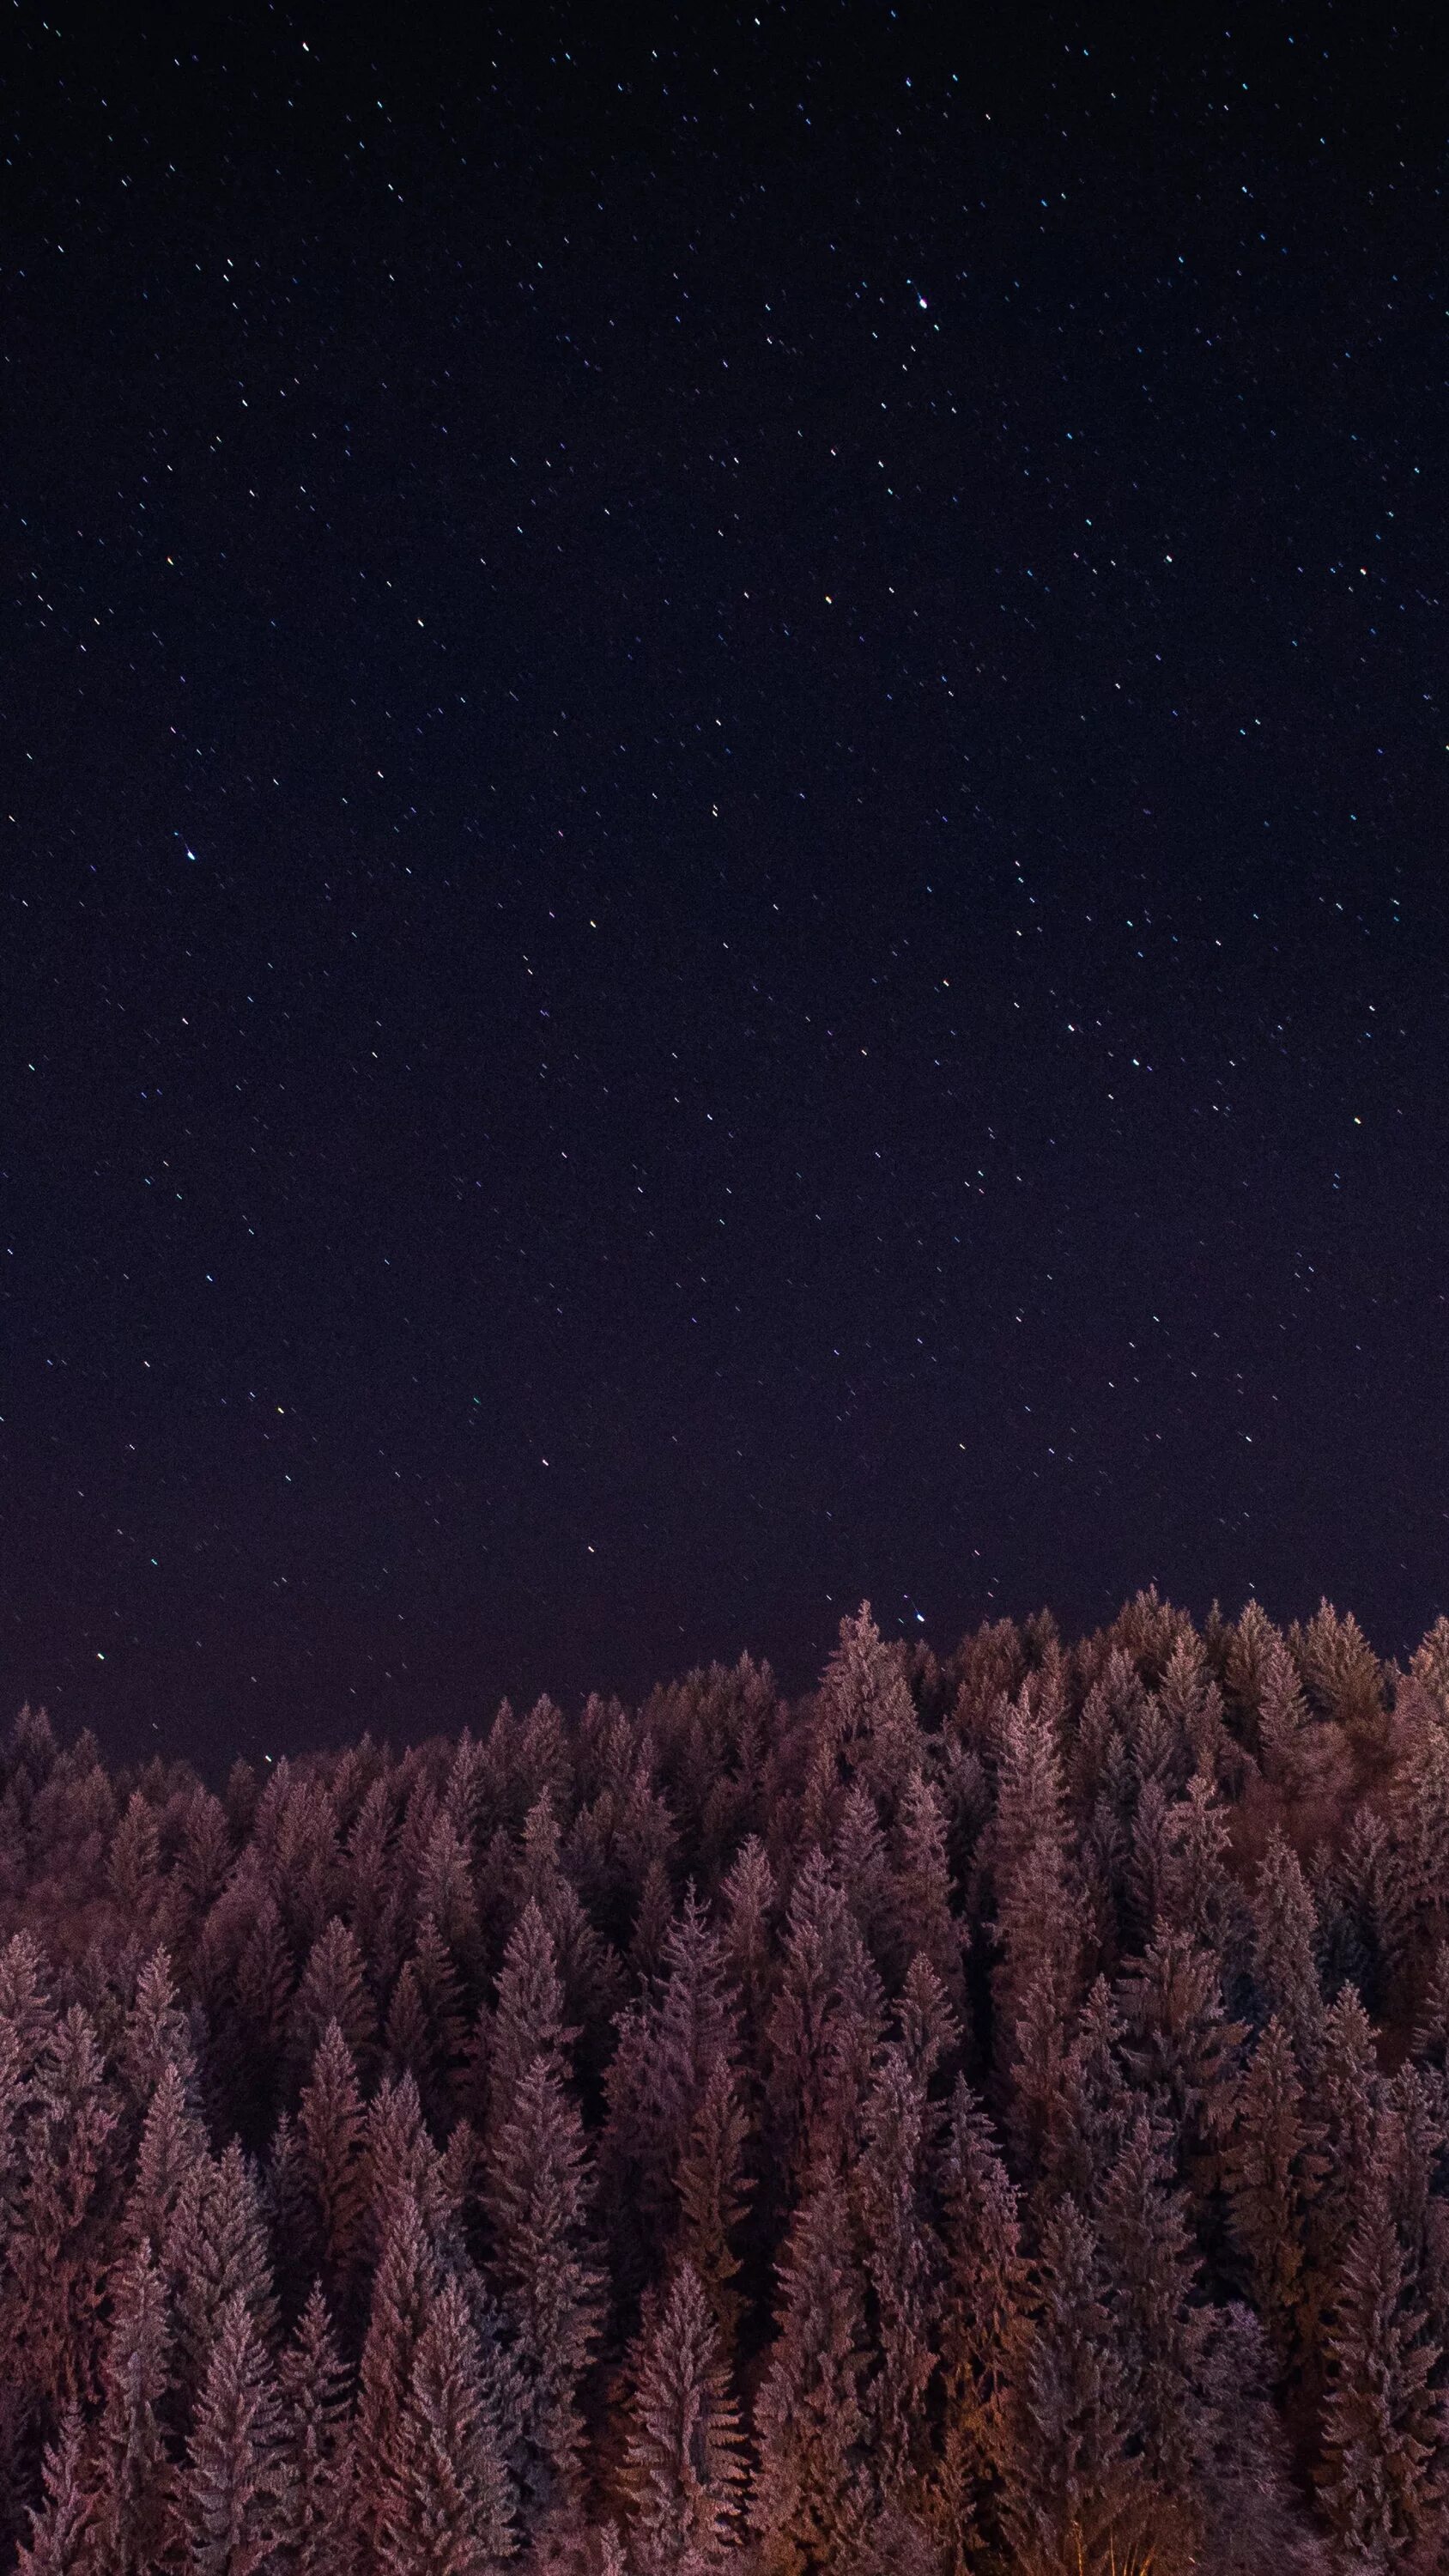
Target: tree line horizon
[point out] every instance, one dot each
(987, 2113)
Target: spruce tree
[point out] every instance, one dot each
(862, 1870)
(1036, 1982)
(1345, 2108)
(1090, 2116)
(1304, 1755)
(61, 2530)
(1285, 1973)
(714, 2189)
(318, 2448)
(536, 2191)
(155, 2036)
(59, 2247)
(922, 1907)
(400, 2159)
(173, 2145)
(810, 2500)
(1150, 2266)
(528, 2018)
(902, 2258)
(217, 2249)
(402, 2292)
(1383, 2472)
(233, 2494)
(669, 2043)
(131, 2475)
(749, 1898)
(822, 2014)
(333, 1989)
(685, 2472)
(445, 2506)
(983, 2336)
(1072, 2490)
(1273, 2173)
(867, 1709)
(330, 2123)
(1179, 2046)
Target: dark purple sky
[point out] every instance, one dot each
(726, 819)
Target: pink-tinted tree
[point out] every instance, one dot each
(233, 2495)
(685, 2470)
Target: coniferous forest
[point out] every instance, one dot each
(990, 2114)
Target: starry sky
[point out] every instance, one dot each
(725, 789)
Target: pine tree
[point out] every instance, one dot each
(410, 2043)
(445, 2505)
(319, 2456)
(536, 2191)
(652, 1918)
(440, 1991)
(1071, 2489)
(217, 2250)
(1250, 2516)
(333, 1989)
(445, 1887)
(528, 2018)
(173, 2145)
(292, 2216)
(1179, 2046)
(749, 1899)
(867, 1709)
(132, 2477)
(1151, 2268)
(405, 2281)
(1384, 2429)
(1193, 1704)
(1301, 1754)
(902, 2264)
(156, 2037)
(923, 1911)
(1091, 2116)
(1285, 1973)
(1373, 1878)
(59, 2247)
(809, 2502)
(263, 1995)
(822, 2013)
(1342, 1675)
(330, 2120)
(862, 1869)
(1035, 1984)
(668, 2047)
(684, 2466)
(714, 2194)
(1346, 2123)
(983, 2336)
(233, 2501)
(134, 1868)
(25, 2001)
(1273, 2173)
(401, 2159)
(60, 2540)
(1200, 1897)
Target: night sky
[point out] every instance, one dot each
(725, 788)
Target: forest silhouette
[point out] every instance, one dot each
(989, 2114)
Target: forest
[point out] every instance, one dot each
(989, 2114)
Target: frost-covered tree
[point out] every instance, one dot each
(810, 2500)
(444, 2502)
(232, 2499)
(685, 2466)
(536, 2190)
